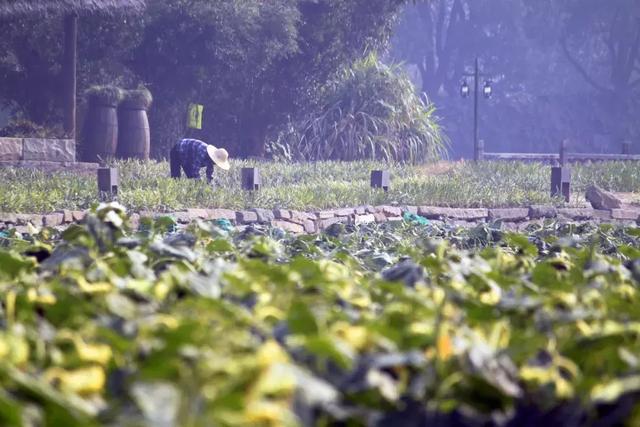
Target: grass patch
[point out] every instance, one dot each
(146, 185)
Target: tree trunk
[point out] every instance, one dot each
(253, 142)
(69, 74)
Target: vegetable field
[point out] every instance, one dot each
(399, 324)
(318, 185)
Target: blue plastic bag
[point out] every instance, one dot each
(224, 224)
(415, 219)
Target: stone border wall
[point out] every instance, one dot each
(313, 222)
(37, 149)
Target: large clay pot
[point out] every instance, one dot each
(100, 132)
(134, 140)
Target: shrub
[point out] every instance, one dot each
(23, 128)
(369, 111)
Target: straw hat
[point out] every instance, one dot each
(219, 156)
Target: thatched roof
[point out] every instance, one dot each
(27, 8)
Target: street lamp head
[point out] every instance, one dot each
(464, 89)
(487, 89)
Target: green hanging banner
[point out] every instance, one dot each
(195, 116)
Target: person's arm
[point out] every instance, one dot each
(209, 171)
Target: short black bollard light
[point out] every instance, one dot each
(561, 182)
(108, 182)
(563, 156)
(251, 179)
(380, 179)
(561, 174)
(479, 151)
(626, 147)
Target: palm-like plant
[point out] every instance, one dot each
(369, 111)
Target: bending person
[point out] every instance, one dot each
(191, 155)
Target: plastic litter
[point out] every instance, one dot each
(224, 224)
(416, 219)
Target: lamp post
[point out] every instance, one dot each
(487, 91)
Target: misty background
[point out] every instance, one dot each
(566, 69)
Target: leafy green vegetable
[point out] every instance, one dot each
(173, 324)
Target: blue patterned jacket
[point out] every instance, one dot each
(193, 156)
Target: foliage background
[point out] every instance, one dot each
(251, 63)
(561, 70)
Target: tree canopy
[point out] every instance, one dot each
(252, 64)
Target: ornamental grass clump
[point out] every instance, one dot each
(137, 99)
(369, 111)
(107, 95)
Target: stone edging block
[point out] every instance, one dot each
(389, 211)
(298, 222)
(576, 214)
(228, 214)
(264, 215)
(626, 214)
(288, 226)
(246, 217)
(541, 211)
(10, 149)
(301, 217)
(58, 150)
(472, 214)
(509, 214)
